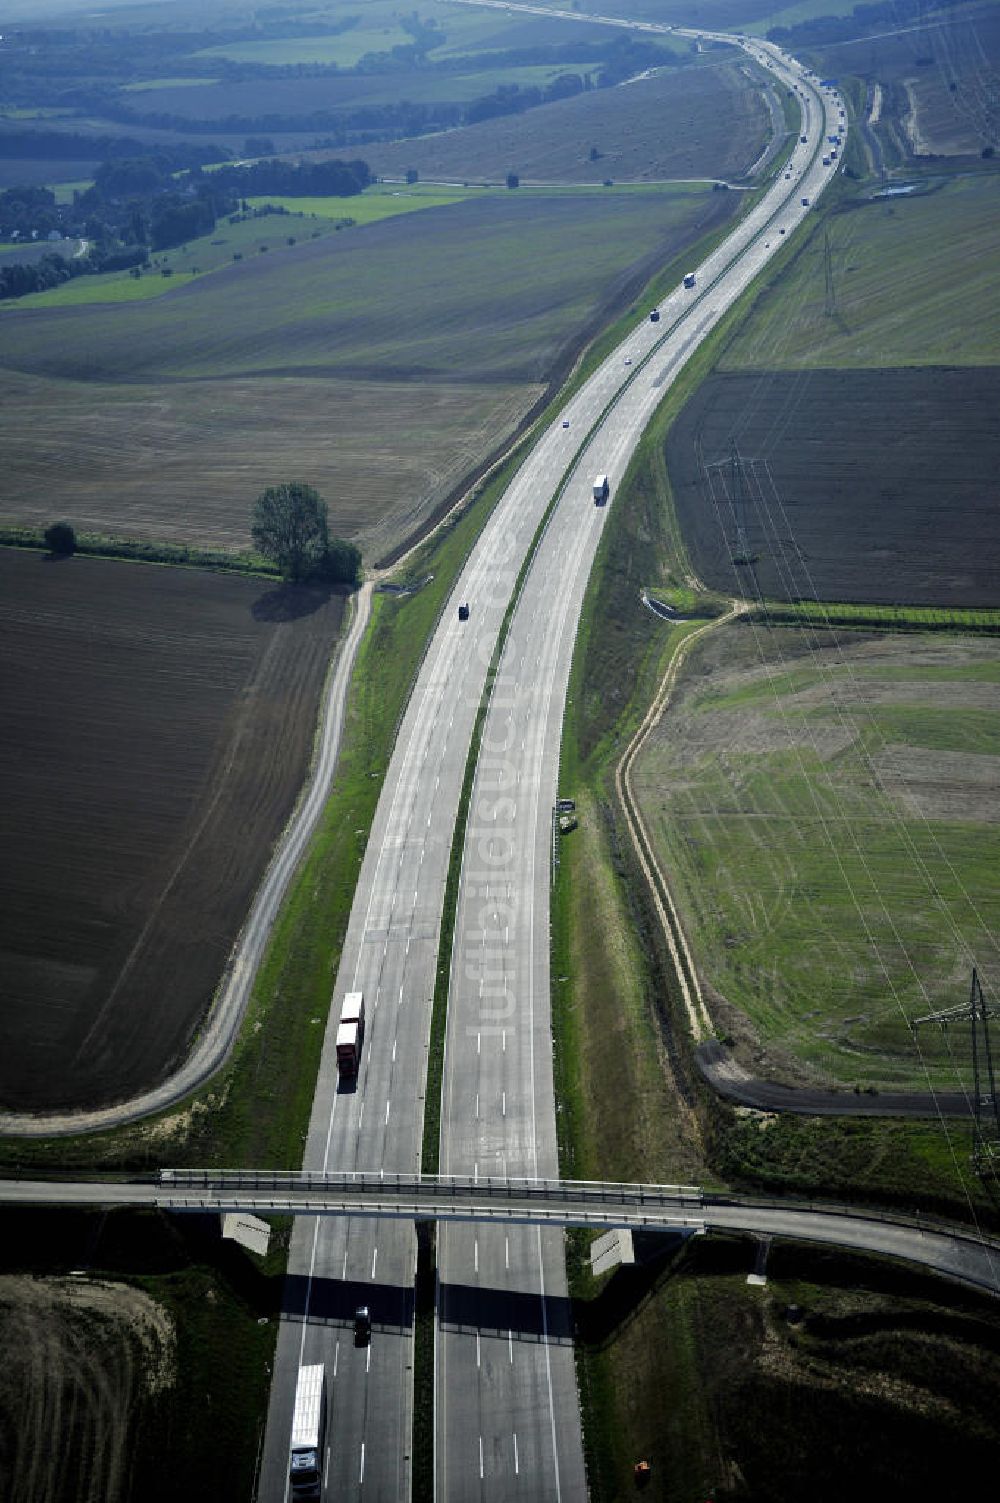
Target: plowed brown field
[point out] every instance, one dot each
(869, 486)
(158, 726)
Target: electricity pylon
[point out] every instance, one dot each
(986, 1121)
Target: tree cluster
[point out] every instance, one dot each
(295, 179)
(289, 526)
(138, 204)
(51, 270)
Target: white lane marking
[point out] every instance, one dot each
(387, 1112)
(479, 1043)
(477, 1106)
(478, 1350)
(504, 1037)
(480, 1458)
(510, 1346)
(326, 1468)
(394, 1051)
(503, 1104)
(336, 1350)
(368, 1359)
(361, 1116)
(516, 1464)
(475, 1254)
(374, 1256)
(506, 1252)
(361, 1478)
(548, 1365)
(400, 1002)
(343, 1274)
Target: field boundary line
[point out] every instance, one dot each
(666, 909)
(225, 1014)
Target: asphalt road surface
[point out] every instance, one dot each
(507, 1404)
(957, 1253)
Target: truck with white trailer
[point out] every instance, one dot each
(305, 1468)
(350, 1033)
(601, 490)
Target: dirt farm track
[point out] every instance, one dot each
(157, 728)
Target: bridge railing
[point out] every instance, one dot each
(429, 1187)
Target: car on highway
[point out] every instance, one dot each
(805, 203)
(628, 359)
(565, 422)
(463, 612)
(362, 1326)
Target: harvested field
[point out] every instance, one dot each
(874, 486)
(159, 724)
(194, 466)
(338, 93)
(828, 809)
(698, 122)
(938, 79)
(913, 283)
(84, 1363)
(380, 365)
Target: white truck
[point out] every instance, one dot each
(689, 279)
(305, 1471)
(601, 490)
(350, 1033)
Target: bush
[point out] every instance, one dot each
(60, 539)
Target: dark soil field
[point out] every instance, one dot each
(380, 365)
(869, 486)
(158, 724)
(700, 122)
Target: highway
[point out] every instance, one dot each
(499, 1111)
(505, 1410)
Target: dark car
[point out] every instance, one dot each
(362, 1326)
(463, 613)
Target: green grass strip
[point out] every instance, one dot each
(143, 551)
(885, 617)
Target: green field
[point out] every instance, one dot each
(401, 299)
(248, 238)
(148, 84)
(829, 814)
(345, 48)
(382, 201)
(914, 282)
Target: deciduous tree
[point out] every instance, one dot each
(289, 526)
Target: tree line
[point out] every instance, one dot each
(290, 528)
(139, 205)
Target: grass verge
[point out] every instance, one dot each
(881, 617)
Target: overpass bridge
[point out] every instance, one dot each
(956, 1252)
